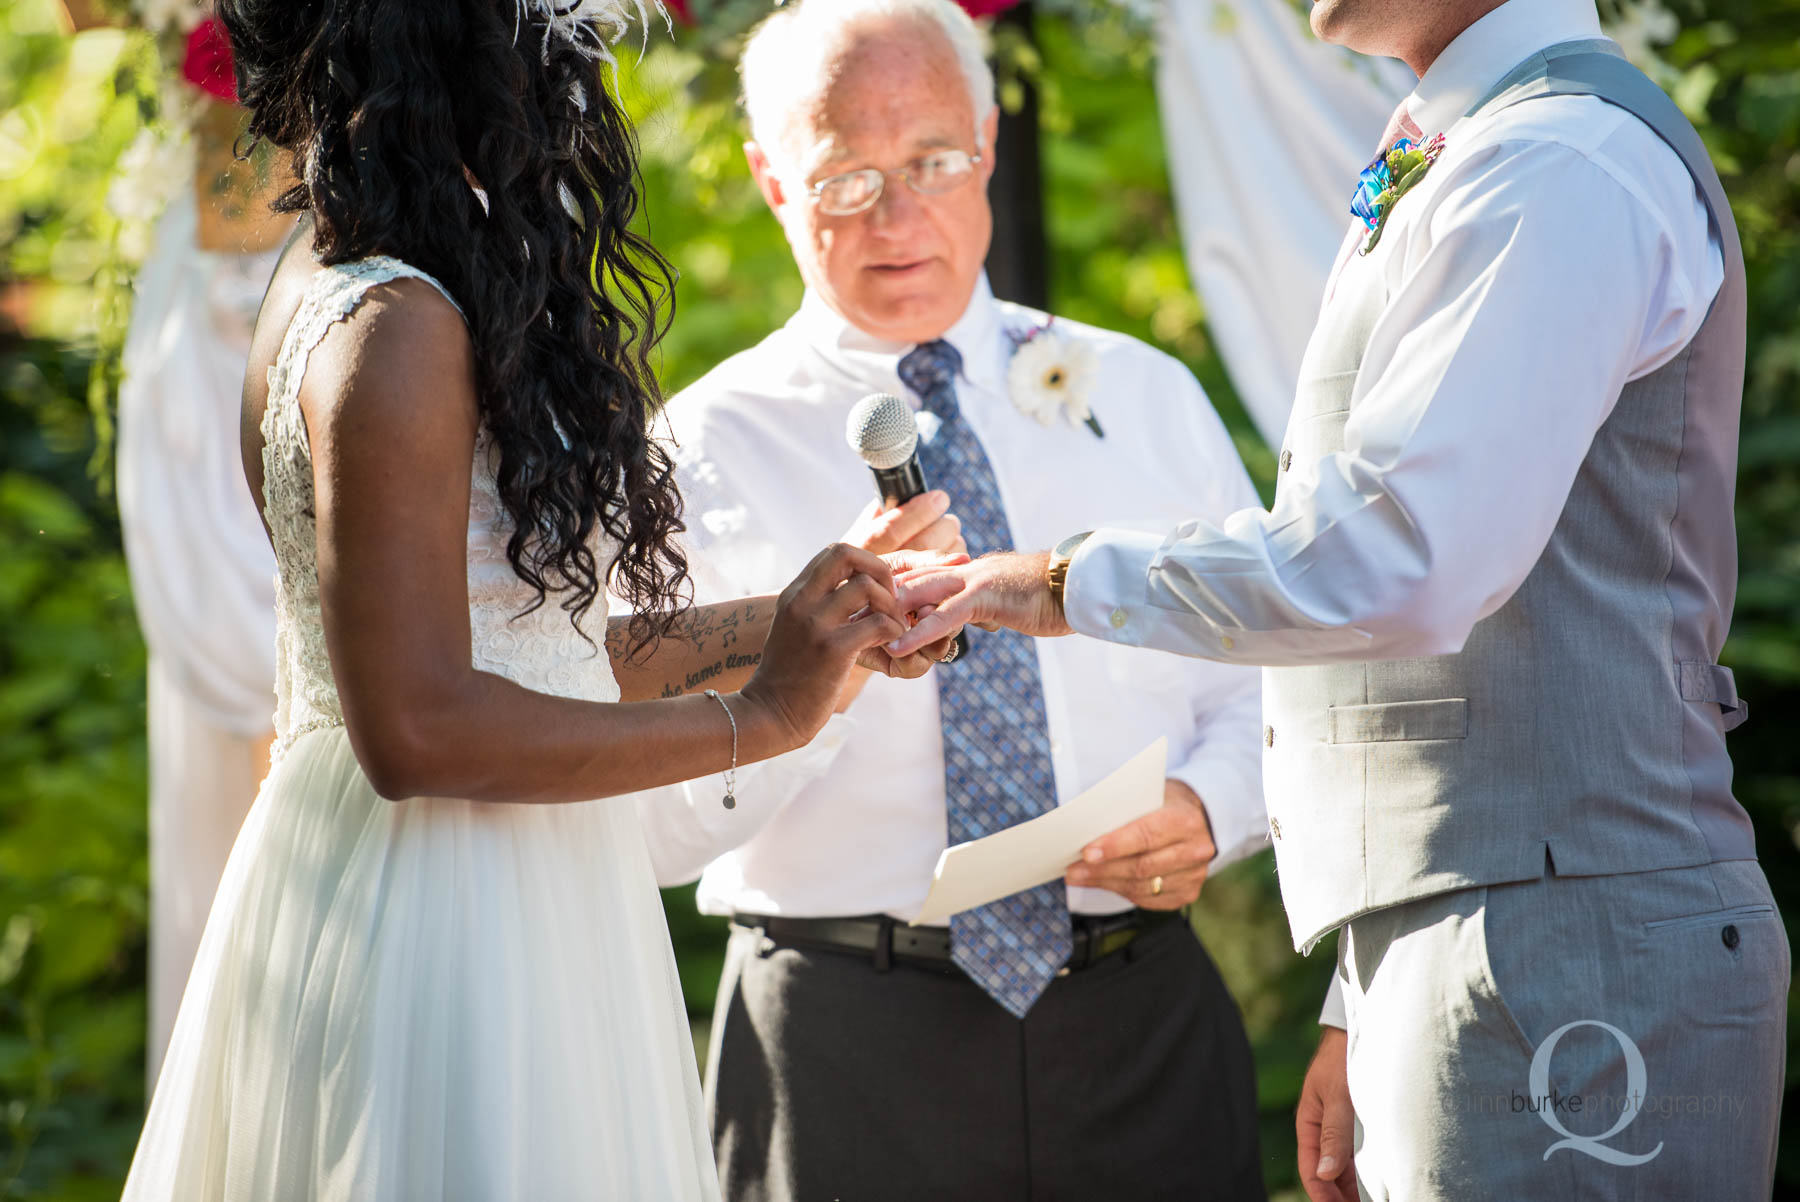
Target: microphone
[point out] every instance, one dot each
(884, 432)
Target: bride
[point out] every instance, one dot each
(436, 968)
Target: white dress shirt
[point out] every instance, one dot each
(854, 822)
(1557, 250)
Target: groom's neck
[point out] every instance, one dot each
(1413, 31)
(1441, 35)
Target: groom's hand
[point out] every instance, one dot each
(1160, 861)
(1326, 1123)
(1007, 589)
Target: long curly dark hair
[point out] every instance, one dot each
(384, 103)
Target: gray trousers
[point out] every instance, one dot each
(1616, 1037)
(1131, 1079)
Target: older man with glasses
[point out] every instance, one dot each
(1071, 1041)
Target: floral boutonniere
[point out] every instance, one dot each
(1393, 174)
(1051, 375)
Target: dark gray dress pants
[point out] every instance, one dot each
(1130, 1079)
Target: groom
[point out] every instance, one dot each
(1492, 590)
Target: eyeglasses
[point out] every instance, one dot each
(930, 175)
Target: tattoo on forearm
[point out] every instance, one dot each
(698, 627)
(711, 672)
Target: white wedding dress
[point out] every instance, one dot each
(428, 999)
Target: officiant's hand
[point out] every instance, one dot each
(1160, 861)
(924, 523)
(1326, 1123)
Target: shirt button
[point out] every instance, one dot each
(1268, 736)
(1225, 642)
(1119, 619)
(1275, 827)
(1287, 460)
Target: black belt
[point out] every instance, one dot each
(885, 940)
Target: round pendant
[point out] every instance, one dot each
(730, 802)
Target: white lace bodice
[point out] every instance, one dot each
(540, 650)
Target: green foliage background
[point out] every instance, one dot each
(72, 766)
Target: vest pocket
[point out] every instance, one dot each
(1399, 721)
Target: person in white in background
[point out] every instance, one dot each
(851, 1055)
(202, 576)
(202, 579)
(1492, 592)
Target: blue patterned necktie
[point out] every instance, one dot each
(997, 769)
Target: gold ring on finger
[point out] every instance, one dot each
(1155, 886)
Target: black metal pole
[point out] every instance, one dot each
(1018, 258)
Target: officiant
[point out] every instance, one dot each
(1074, 1040)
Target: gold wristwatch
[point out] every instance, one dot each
(1056, 572)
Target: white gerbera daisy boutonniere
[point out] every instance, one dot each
(1052, 375)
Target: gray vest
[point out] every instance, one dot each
(1581, 729)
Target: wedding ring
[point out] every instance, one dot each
(1155, 886)
(955, 650)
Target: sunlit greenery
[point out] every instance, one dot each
(72, 823)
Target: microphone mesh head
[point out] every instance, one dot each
(881, 429)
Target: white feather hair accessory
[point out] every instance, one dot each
(591, 26)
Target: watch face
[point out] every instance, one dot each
(1066, 548)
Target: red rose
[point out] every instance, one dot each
(985, 8)
(208, 64)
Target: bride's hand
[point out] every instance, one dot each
(841, 606)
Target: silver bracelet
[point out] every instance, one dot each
(730, 801)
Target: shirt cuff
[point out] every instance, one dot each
(1105, 595)
(1334, 1013)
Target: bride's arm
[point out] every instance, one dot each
(390, 409)
(709, 647)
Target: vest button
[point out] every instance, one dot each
(1730, 937)
(1275, 827)
(1287, 460)
(1268, 736)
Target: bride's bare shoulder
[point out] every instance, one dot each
(403, 357)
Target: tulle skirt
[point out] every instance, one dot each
(427, 1000)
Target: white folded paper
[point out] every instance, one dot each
(976, 873)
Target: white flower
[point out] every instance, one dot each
(1051, 375)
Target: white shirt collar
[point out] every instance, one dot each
(974, 335)
(1484, 52)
